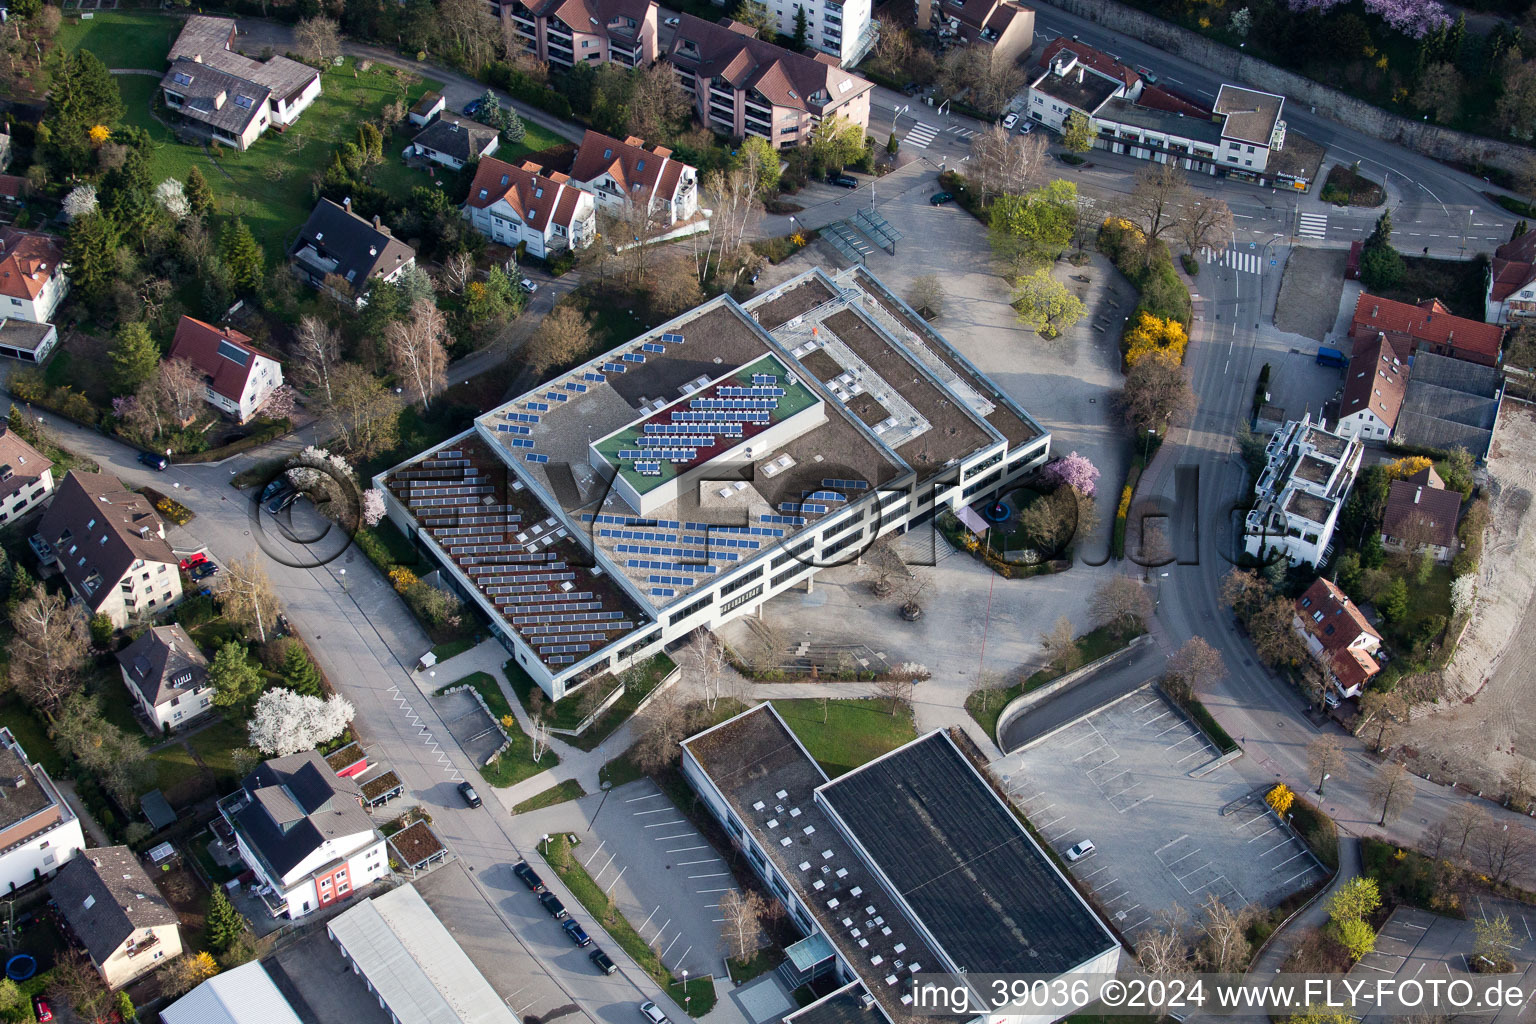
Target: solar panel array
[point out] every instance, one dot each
(845, 485)
(786, 520)
(809, 508)
(672, 339)
(510, 552)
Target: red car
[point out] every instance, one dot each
(44, 1014)
(191, 560)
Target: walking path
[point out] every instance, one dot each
(1313, 915)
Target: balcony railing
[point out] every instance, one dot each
(148, 942)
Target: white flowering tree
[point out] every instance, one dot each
(286, 722)
(80, 201)
(173, 198)
(373, 506)
(1463, 593)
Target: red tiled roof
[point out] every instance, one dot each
(198, 343)
(1158, 98)
(732, 51)
(1514, 266)
(1099, 61)
(629, 163)
(11, 186)
(28, 260)
(1428, 323)
(1353, 667)
(1328, 614)
(1420, 506)
(1376, 380)
(532, 195)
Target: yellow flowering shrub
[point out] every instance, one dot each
(402, 579)
(1154, 334)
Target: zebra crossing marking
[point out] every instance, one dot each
(1313, 225)
(920, 135)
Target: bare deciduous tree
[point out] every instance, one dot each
(1164, 951)
(657, 102)
(926, 296)
(1060, 642)
(318, 40)
(1224, 946)
(1122, 603)
(1391, 789)
(1379, 711)
(1197, 663)
(540, 738)
(317, 347)
(706, 663)
(742, 927)
(47, 650)
(562, 337)
(246, 594)
(1156, 392)
(1502, 850)
(458, 271)
(1155, 202)
(180, 386)
(418, 351)
(1002, 163)
(1325, 759)
(989, 684)
(364, 410)
(895, 691)
(1204, 223)
(664, 723)
(1519, 782)
(1466, 820)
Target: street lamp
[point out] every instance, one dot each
(544, 844)
(687, 999)
(897, 115)
(1325, 778)
(1146, 447)
(343, 574)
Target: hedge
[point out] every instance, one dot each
(1163, 294)
(1212, 728)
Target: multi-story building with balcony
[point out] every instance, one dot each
(844, 29)
(741, 85)
(1005, 27)
(546, 213)
(1306, 478)
(569, 32)
(619, 174)
(39, 831)
(303, 831)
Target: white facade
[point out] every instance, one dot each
(18, 504)
(501, 223)
(42, 842)
(285, 112)
(330, 873)
(1301, 492)
(845, 30)
(147, 587)
(173, 713)
(1364, 424)
(266, 376)
(39, 310)
(26, 341)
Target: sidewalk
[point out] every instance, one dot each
(1314, 915)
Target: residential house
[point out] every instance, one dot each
(240, 377)
(568, 32)
(1004, 26)
(1512, 284)
(548, 213)
(1374, 387)
(843, 29)
(116, 914)
(240, 995)
(39, 831)
(426, 109)
(338, 250)
(232, 96)
(741, 85)
(1073, 77)
(1428, 326)
(1307, 476)
(1338, 636)
(109, 543)
(302, 830)
(1250, 128)
(619, 173)
(32, 276)
(26, 476)
(454, 141)
(1421, 516)
(168, 677)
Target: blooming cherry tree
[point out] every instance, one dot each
(373, 506)
(1074, 471)
(80, 201)
(286, 722)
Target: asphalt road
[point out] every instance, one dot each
(1088, 696)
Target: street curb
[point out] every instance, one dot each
(1024, 701)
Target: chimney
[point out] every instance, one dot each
(346, 204)
(218, 101)
(1079, 74)
(1450, 336)
(375, 222)
(1375, 312)
(1416, 494)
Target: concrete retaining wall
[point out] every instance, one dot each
(1024, 701)
(1239, 68)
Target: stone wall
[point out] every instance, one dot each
(1239, 68)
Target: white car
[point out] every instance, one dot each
(651, 1012)
(673, 22)
(528, 286)
(1010, 120)
(1081, 850)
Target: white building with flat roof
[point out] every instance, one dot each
(691, 474)
(1301, 492)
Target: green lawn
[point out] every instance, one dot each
(215, 745)
(122, 39)
(269, 184)
(453, 648)
(559, 793)
(1091, 646)
(516, 762)
(855, 731)
(32, 733)
(566, 713)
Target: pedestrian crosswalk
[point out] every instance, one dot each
(1313, 225)
(964, 133)
(920, 135)
(1242, 261)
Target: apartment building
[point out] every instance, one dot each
(1375, 384)
(742, 85)
(520, 204)
(1073, 77)
(569, 32)
(1005, 27)
(303, 831)
(39, 831)
(32, 276)
(618, 174)
(26, 477)
(1306, 478)
(844, 29)
(109, 542)
(687, 476)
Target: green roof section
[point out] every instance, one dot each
(796, 399)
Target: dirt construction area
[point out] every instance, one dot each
(1483, 723)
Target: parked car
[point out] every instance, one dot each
(472, 108)
(468, 793)
(528, 286)
(282, 501)
(673, 22)
(553, 905)
(1010, 120)
(154, 460)
(1081, 850)
(604, 964)
(284, 628)
(1024, 128)
(191, 560)
(42, 1010)
(275, 488)
(529, 876)
(842, 181)
(577, 933)
(940, 198)
(203, 571)
(1330, 697)
(651, 1012)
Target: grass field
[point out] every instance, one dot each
(855, 731)
(559, 793)
(122, 39)
(516, 762)
(269, 184)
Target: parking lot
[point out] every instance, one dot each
(469, 723)
(1415, 944)
(664, 876)
(1121, 778)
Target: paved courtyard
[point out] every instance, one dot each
(321, 985)
(1121, 777)
(469, 724)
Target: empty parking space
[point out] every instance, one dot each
(469, 723)
(1163, 838)
(663, 874)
